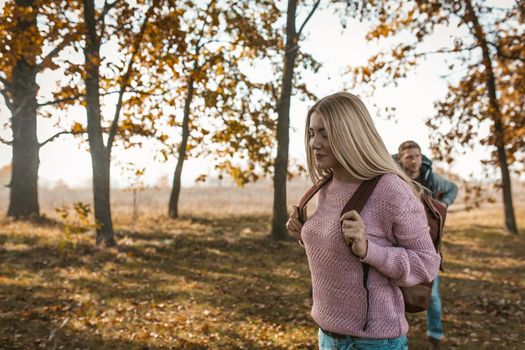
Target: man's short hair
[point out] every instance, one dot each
(407, 145)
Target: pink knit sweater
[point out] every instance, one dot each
(339, 297)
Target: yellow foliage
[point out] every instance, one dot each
(77, 128)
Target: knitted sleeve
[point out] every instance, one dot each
(413, 259)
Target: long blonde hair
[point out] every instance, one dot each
(353, 139)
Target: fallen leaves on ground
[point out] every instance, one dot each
(221, 283)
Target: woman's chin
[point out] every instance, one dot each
(322, 165)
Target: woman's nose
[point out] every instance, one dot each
(314, 143)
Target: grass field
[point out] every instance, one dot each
(213, 280)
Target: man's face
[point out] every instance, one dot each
(410, 160)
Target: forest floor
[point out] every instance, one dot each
(221, 283)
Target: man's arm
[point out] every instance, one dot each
(447, 190)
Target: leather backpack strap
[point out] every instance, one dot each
(309, 195)
(357, 203)
(360, 197)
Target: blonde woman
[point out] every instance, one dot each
(390, 235)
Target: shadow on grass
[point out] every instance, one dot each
(232, 265)
(224, 264)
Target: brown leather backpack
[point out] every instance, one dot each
(417, 297)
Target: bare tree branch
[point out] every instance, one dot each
(5, 142)
(105, 9)
(421, 54)
(73, 98)
(275, 94)
(60, 100)
(6, 98)
(201, 34)
(444, 51)
(67, 39)
(216, 41)
(3, 91)
(308, 17)
(102, 18)
(57, 135)
(127, 76)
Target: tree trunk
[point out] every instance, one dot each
(280, 212)
(173, 210)
(23, 200)
(99, 154)
(101, 195)
(510, 220)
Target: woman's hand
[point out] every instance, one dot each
(293, 225)
(353, 229)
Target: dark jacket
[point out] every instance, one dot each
(441, 189)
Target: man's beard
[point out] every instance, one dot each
(413, 174)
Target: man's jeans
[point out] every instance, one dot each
(434, 326)
(326, 342)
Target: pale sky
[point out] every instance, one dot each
(64, 160)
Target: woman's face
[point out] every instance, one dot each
(323, 155)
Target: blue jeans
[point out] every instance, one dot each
(434, 326)
(326, 342)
